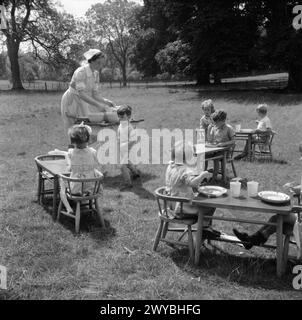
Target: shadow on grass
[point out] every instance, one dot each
(245, 270)
(89, 223)
(117, 181)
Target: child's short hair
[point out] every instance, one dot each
(262, 108)
(79, 133)
(124, 109)
(208, 104)
(219, 115)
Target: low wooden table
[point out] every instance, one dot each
(246, 135)
(243, 203)
(53, 165)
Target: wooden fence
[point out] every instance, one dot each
(225, 85)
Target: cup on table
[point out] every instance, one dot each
(237, 127)
(252, 188)
(235, 187)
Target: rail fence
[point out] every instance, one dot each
(280, 83)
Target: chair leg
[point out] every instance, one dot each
(39, 187)
(99, 212)
(158, 235)
(190, 243)
(285, 252)
(165, 229)
(234, 170)
(59, 210)
(77, 217)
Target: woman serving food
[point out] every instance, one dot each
(82, 98)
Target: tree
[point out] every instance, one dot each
(221, 34)
(113, 22)
(153, 34)
(37, 22)
(174, 58)
(283, 43)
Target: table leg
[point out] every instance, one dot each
(249, 147)
(223, 167)
(198, 237)
(55, 192)
(279, 235)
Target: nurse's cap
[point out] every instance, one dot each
(91, 53)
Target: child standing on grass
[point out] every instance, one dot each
(206, 120)
(126, 138)
(82, 161)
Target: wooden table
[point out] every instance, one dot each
(54, 167)
(246, 135)
(243, 203)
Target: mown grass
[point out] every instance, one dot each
(46, 260)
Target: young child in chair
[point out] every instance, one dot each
(206, 120)
(221, 133)
(180, 181)
(264, 126)
(126, 139)
(82, 161)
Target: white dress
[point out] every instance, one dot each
(84, 80)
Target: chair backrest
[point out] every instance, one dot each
(94, 187)
(265, 138)
(167, 203)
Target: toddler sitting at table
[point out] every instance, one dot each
(82, 161)
(206, 120)
(220, 134)
(180, 180)
(264, 127)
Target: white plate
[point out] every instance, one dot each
(212, 191)
(273, 197)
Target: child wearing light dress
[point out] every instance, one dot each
(206, 120)
(82, 161)
(181, 179)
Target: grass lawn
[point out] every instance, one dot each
(46, 260)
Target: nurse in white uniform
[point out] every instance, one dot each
(82, 98)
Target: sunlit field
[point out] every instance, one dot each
(46, 260)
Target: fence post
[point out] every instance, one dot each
(45, 86)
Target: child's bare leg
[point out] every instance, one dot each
(63, 196)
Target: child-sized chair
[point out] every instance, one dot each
(165, 203)
(262, 146)
(85, 201)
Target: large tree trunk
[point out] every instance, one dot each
(124, 75)
(295, 63)
(13, 49)
(295, 76)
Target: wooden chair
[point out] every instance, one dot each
(165, 205)
(44, 176)
(85, 201)
(262, 145)
(230, 159)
